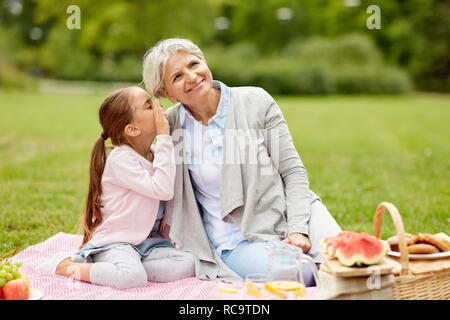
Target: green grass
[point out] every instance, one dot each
(358, 151)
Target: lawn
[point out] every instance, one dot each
(358, 151)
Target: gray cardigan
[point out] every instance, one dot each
(264, 185)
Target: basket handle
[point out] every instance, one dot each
(398, 223)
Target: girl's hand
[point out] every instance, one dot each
(161, 122)
(299, 240)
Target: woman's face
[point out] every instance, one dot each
(187, 78)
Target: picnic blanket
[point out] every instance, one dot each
(54, 287)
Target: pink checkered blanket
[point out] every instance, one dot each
(54, 287)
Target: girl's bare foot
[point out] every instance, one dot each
(50, 265)
(61, 264)
(61, 268)
(75, 270)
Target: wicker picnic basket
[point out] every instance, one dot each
(428, 285)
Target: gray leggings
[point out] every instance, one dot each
(123, 267)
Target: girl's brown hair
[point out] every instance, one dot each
(114, 114)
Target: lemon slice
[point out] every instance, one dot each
(275, 291)
(285, 285)
(253, 290)
(300, 292)
(227, 289)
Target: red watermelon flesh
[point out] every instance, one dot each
(352, 248)
(363, 250)
(331, 244)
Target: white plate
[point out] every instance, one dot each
(35, 294)
(423, 256)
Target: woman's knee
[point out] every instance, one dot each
(239, 258)
(322, 220)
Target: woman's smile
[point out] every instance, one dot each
(197, 85)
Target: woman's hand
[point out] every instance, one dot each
(161, 122)
(299, 240)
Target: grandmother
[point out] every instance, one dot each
(240, 182)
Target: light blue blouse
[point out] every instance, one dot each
(203, 152)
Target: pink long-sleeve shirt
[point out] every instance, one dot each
(132, 188)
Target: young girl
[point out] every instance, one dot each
(121, 246)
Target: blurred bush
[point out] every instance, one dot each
(63, 58)
(347, 64)
(11, 72)
(413, 34)
(82, 63)
(13, 77)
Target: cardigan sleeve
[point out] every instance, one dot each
(280, 146)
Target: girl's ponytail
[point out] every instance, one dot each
(114, 114)
(93, 216)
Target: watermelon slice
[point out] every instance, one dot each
(352, 248)
(330, 244)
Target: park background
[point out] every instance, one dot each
(368, 108)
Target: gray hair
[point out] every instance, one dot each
(154, 61)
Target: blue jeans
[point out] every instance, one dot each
(252, 257)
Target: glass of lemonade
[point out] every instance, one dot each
(255, 284)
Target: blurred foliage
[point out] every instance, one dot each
(12, 77)
(289, 46)
(347, 64)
